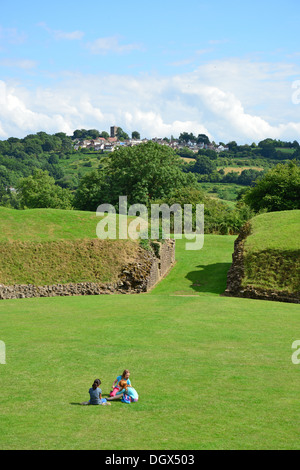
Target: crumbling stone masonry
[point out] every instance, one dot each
(137, 277)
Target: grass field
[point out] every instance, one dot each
(239, 170)
(212, 372)
(228, 192)
(275, 231)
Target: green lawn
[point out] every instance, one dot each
(47, 225)
(212, 372)
(275, 231)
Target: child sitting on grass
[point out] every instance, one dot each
(116, 388)
(127, 393)
(96, 395)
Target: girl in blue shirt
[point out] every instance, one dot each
(115, 387)
(127, 393)
(96, 395)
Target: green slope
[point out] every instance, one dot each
(272, 252)
(49, 246)
(275, 231)
(46, 224)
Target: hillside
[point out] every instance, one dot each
(48, 246)
(266, 259)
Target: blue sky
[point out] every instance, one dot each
(163, 67)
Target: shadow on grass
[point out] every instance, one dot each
(209, 278)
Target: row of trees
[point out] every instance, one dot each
(20, 157)
(262, 151)
(84, 134)
(267, 148)
(153, 173)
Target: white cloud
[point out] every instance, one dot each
(181, 63)
(74, 35)
(19, 63)
(111, 44)
(218, 41)
(11, 36)
(16, 119)
(58, 34)
(227, 100)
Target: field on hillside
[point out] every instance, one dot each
(212, 372)
(225, 191)
(239, 170)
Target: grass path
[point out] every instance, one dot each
(212, 372)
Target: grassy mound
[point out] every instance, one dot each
(272, 252)
(46, 225)
(48, 246)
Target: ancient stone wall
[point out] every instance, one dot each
(135, 277)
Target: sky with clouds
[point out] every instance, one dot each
(229, 69)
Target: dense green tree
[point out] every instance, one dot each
(92, 191)
(185, 137)
(48, 145)
(268, 148)
(4, 147)
(278, 190)
(204, 165)
(121, 135)
(185, 152)
(6, 179)
(248, 177)
(142, 173)
(94, 134)
(9, 197)
(145, 172)
(203, 139)
(135, 135)
(53, 159)
(86, 134)
(232, 146)
(104, 134)
(33, 146)
(218, 216)
(68, 181)
(208, 153)
(66, 145)
(78, 133)
(40, 190)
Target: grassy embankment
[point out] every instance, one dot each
(49, 246)
(272, 252)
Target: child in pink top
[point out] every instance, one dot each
(116, 388)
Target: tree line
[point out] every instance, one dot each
(152, 173)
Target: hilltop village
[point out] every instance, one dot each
(110, 143)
